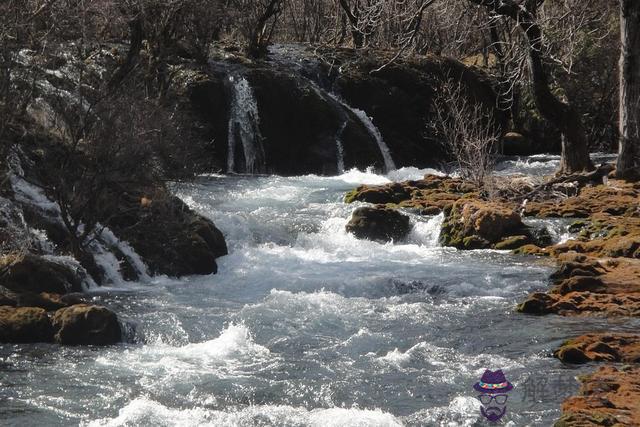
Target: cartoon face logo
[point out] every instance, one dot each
(493, 388)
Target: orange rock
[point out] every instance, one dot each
(608, 397)
(601, 347)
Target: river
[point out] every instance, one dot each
(306, 326)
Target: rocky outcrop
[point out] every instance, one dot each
(378, 224)
(601, 347)
(33, 273)
(168, 235)
(429, 196)
(608, 397)
(618, 198)
(592, 286)
(476, 224)
(86, 325)
(78, 324)
(310, 110)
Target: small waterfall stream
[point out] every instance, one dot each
(103, 247)
(367, 122)
(244, 128)
(340, 147)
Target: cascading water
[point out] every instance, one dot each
(340, 148)
(244, 128)
(367, 122)
(102, 247)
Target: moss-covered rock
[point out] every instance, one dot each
(33, 273)
(476, 224)
(378, 224)
(25, 325)
(86, 325)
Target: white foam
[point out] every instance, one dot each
(143, 411)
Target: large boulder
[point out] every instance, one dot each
(168, 235)
(476, 224)
(378, 224)
(25, 325)
(33, 273)
(86, 325)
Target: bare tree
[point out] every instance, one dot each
(468, 132)
(629, 154)
(257, 20)
(575, 154)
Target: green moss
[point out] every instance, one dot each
(351, 196)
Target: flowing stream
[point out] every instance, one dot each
(306, 326)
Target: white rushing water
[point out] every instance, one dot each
(306, 326)
(101, 247)
(367, 122)
(340, 147)
(244, 128)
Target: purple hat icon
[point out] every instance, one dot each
(493, 382)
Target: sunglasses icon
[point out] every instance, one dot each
(486, 399)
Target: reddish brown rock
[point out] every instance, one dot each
(592, 286)
(601, 347)
(608, 397)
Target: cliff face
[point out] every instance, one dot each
(295, 113)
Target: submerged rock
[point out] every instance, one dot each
(378, 224)
(33, 273)
(25, 325)
(86, 325)
(476, 224)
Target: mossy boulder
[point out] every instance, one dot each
(86, 325)
(378, 224)
(25, 325)
(477, 224)
(34, 273)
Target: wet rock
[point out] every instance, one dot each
(169, 236)
(601, 347)
(25, 325)
(378, 224)
(537, 303)
(33, 273)
(608, 397)
(86, 325)
(475, 224)
(585, 285)
(429, 195)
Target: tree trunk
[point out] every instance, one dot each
(629, 151)
(575, 154)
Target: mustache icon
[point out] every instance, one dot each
(493, 413)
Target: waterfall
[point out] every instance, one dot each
(340, 148)
(366, 121)
(389, 165)
(244, 125)
(129, 253)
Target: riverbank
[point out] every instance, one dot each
(598, 268)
